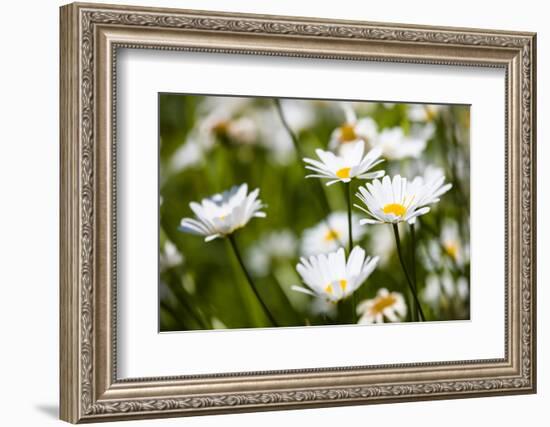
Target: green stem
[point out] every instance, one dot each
(350, 247)
(350, 234)
(407, 277)
(316, 184)
(413, 257)
(183, 296)
(231, 239)
(288, 128)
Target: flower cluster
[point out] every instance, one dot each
(342, 249)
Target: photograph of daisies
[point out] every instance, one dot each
(279, 212)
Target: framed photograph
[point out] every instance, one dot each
(265, 212)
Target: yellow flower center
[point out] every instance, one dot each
(395, 208)
(343, 173)
(343, 284)
(221, 128)
(382, 303)
(452, 249)
(332, 235)
(430, 114)
(347, 133)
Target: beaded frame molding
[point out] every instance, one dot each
(90, 37)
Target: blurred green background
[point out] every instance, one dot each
(208, 144)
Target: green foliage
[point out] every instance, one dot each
(205, 289)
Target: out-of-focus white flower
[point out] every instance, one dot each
(451, 242)
(329, 234)
(395, 145)
(386, 306)
(392, 201)
(351, 164)
(441, 287)
(220, 124)
(188, 154)
(273, 136)
(330, 277)
(279, 244)
(381, 243)
(448, 251)
(224, 118)
(217, 323)
(423, 112)
(353, 130)
(299, 114)
(170, 256)
(222, 214)
(231, 104)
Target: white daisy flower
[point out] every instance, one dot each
(222, 117)
(299, 114)
(170, 256)
(443, 287)
(189, 154)
(273, 136)
(220, 124)
(386, 306)
(280, 244)
(381, 242)
(450, 244)
(328, 235)
(223, 213)
(395, 145)
(391, 201)
(351, 164)
(330, 277)
(423, 112)
(431, 186)
(353, 130)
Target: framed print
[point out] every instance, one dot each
(263, 212)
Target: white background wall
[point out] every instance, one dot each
(29, 170)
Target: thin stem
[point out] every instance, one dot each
(350, 234)
(413, 256)
(182, 296)
(324, 204)
(231, 239)
(288, 128)
(350, 247)
(402, 261)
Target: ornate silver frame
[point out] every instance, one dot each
(90, 36)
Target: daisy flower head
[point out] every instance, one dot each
(275, 245)
(223, 119)
(423, 112)
(444, 287)
(391, 201)
(452, 243)
(353, 130)
(329, 234)
(450, 250)
(170, 256)
(331, 277)
(223, 213)
(431, 184)
(352, 163)
(395, 145)
(386, 306)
